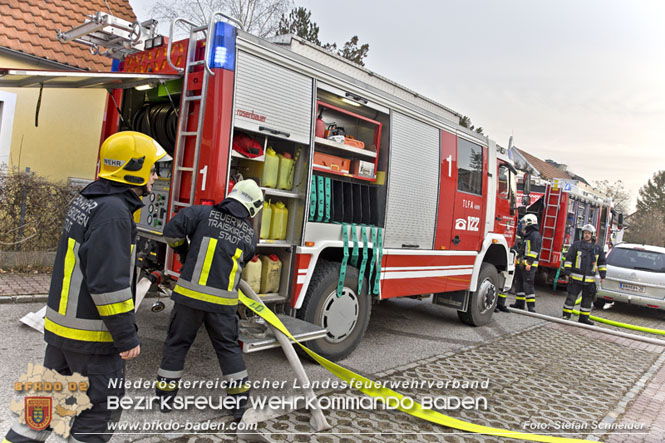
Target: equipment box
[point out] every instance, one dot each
(332, 162)
(362, 168)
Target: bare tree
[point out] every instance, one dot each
(258, 17)
(616, 191)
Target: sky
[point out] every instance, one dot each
(581, 82)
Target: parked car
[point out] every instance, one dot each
(636, 275)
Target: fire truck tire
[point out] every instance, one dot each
(483, 301)
(346, 317)
(599, 303)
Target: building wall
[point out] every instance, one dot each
(66, 142)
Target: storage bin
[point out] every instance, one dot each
(270, 169)
(271, 271)
(252, 273)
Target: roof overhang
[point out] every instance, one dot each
(26, 78)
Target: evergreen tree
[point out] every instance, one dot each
(299, 23)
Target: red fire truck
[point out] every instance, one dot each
(563, 207)
(384, 194)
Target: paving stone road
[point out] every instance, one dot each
(542, 376)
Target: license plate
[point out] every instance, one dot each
(629, 287)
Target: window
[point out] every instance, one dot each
(504, 180)
(469, 167)
(634, 259)
(7, 106)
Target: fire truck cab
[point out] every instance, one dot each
(373, 191)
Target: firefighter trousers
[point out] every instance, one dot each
(91, 425)
(222, 328)
(574, 289)
(524, 287)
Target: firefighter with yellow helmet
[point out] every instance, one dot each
(527, 259)
(583, 260)
(214, 243)
(89, 326)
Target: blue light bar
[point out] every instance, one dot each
(223, 47)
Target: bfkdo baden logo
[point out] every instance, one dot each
(50, 399)
(38, 412)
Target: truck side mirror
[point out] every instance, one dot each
(620, 221)
(526, 200)
(526, 189)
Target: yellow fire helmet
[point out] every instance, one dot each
(128, 157)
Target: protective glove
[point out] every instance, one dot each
(182, 252)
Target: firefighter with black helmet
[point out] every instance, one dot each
(527, 259)
(89, 326)
(583, 259)
(214, 243)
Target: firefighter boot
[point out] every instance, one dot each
(566, 315)
(166, 391)
(584, 318)
(240, 405)
(519, 302)
(501, 303)
(531, 302)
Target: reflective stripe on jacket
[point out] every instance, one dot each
(531, 244)
(583, 260)
(219, 246)
(90, 304)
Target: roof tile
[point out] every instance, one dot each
(546, 170)
(30, 27)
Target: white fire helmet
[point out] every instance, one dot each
(589, 227)
(529, 219)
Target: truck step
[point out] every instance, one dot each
(258, 337)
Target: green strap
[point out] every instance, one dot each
(558, 271)
(328, 187)
(361, 273)
(377, 278)
(312, 199)
(321, 198)
(354, 253)
(371, 263)
(342, 269)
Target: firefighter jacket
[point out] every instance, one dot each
(90, 303)
(583, 260)
(529, 250)
(219, 246)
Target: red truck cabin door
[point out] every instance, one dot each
(469, 206)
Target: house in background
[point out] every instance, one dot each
(64, 145)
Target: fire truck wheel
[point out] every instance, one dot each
(599, 303)
(483, 301)
(345, 318)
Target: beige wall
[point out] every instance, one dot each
(67, 140)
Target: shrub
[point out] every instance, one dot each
(45, 204)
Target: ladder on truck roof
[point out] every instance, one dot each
(118, 36)
(550, 217)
